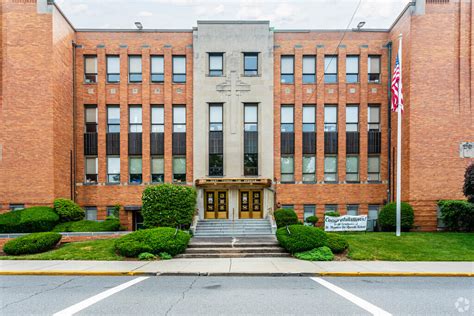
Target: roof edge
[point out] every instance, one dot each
(135, 30)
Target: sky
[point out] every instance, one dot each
(183, 14)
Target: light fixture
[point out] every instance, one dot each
(360, 25)
(139, 25)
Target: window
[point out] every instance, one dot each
(91, 213)
(179, 119)
(113, 69)
(135, 170)
(287, 119)
(16, 207)
(352, 69)
(309, 210)
(330, 168)
(91, 170)
(91, 119)
(250, 139)
(113, 169)
(309, 169)
(374, 69)
(179, 169)
(352, 118)
(352, 168)
(330, 118)
(330, 208)
(309, 118)
(287, 169)
(288, 206)
(330, 69)
(372, 217)
(90, 69)
(373, 168)
(309, 69)
(287, 69)
(110, 212)
(157, 119)
(352, 210)
(179, 69)
(135, 69)
(135, 123)
(250, 64)
(157, 69)
(374, 118)
(157, 170)
(216, 64)
(216, 153)
(113, 119)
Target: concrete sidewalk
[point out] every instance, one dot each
(236, 266)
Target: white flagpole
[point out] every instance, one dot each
(399, 140)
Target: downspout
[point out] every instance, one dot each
(73, 195)
(389, 125)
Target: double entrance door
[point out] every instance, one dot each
(216, 204)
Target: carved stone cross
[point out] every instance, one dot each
(233, 87)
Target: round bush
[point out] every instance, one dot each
(285, 216)
(332, 214)
(312, 220)
(68, 211)
(32, 243)
(301, 238)
(155, 241)
(168, 205)
(317, 254)
(457, 215)
(29, 220)
(337, 243)
(387, 217)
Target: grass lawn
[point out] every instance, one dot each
(102, 249)
(411, 246)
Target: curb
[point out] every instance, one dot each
(240, 274)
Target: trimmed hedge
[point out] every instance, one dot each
(109, 225)
(154, 241)
(32, 243)
(285, 216)
(317, 254)
(457, 215)
(298, 238)
(332, 214)
(387, 217)
(68, 211)
(337, 243)
(168, 205)
(312, 220)
(29, 220)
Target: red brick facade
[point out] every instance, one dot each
(42, 113)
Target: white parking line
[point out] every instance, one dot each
(96, 298)
(374, 310)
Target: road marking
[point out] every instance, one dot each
(374, 310)
(97, 298)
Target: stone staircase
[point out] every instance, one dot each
(229, 228)
(227, 247)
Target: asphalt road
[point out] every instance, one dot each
(166, 295)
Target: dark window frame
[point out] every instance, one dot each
(176, 75)
(289, 76)
(109, 175)
(330, 208)
(378, 173)
(131, 75)
(313, 174)
(352, 173)
(160, 76)
(109, 125)
(353, 207)
(377, 123)
(331, 77)
(154, 176)
(130, 124)
(251, 162)
(331, 124)
(91, 178)
(374, 77)
(109, 74)
(307, 75)
(90, 77)
(91, 127)
(182, 176)
(313, 124)
(179, 124)
(251, 72)
(335, 173)
(158, 125)
(134, 178)
(353, 73)
(291, 126)
(287, 173)
(215, 72)
(215, 170)
(352, 123)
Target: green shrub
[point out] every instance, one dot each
(168, 205)
(457, 215)
(29, 220)
(165, 256)
(155, 241)
(317, 254)
(337, 243)
(109, 225)
(146, 256)
(299, 238)
(68, 211)
(312, 220)
(468, 187)
(285, 216)
(332, 214)
(387, 217)
(32, 243)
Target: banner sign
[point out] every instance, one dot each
(345, 223)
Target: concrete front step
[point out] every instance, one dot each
(223, 250)
(227, 245)
(233, 255)
(230, 234)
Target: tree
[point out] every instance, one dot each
(468, 187)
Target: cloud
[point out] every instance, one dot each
(145, 13)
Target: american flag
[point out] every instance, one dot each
(397, 87)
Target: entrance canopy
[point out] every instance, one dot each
(210, 182)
